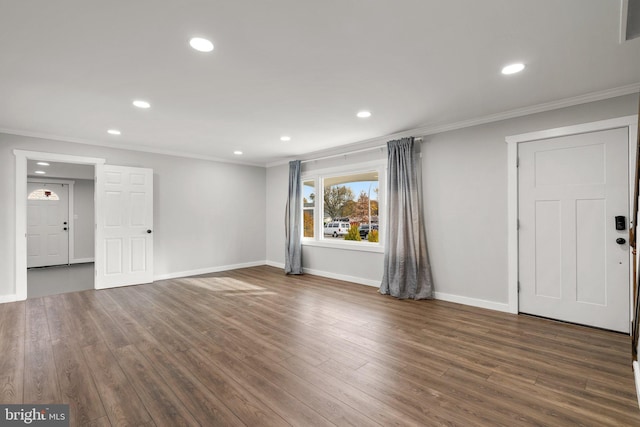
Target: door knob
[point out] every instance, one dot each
(149, 231)
(620, 241)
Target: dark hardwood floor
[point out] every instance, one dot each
(254, 347)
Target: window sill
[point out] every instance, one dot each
(345, 245)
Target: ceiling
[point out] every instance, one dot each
(70, 69)
(59, 170)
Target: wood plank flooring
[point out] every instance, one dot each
(257, 348)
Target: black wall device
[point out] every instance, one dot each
(621, 223)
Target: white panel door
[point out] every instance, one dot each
(572, 266)
(124, 230)
(47, 224)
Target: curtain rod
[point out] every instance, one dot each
(418, 139)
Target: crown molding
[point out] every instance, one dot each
(534, 109)
(131, 147)
(422, 131)
(432, 129)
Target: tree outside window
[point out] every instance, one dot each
(352, 198)
(308, 208)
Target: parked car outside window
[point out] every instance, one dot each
(336, 229)
(364, 230)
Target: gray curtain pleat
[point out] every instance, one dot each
(293, 222)
(407, 273)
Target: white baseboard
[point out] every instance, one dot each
(359, 280)
(207, 270)
(491, 305)
(636, 374)
(475, 302)
(353, 279)
(275, 264)
(81, 260)
(9, 298)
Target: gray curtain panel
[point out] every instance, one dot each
(407, 273)
(293, 222)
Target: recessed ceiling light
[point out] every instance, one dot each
(285, 138)
(43, 163)
(201, 45)
(114, 132)
(141, 104)
(363, 114)
(40, 172)
(513, 68)
(238, 153)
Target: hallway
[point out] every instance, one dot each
(59, 279)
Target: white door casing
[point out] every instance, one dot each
(513, 141)
(570, 266)
(124, 227)
(20, 269)
(47, 224)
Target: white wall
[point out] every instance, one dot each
(465, 199)
(465, 186)
(276, 197)
(207, 215)
(84, 220)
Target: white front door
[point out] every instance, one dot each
(47, 224)
(572, 265)
(124, 231)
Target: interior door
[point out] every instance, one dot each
(47, 224)
(124, 226)
(573, 262)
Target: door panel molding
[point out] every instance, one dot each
(570, 266)
(124, 226)
(51, 227)
(628, 122)
(71, 219)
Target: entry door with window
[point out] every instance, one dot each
(124, 239)
(47, 224)
(573, 261)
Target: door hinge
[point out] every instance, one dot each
(518, 287)
(517, 224)
(517, 162)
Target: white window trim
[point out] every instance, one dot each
(317, 176)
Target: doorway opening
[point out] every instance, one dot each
(60, 228)
(80, 268)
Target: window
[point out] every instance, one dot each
(42, 194)
(308, 208)
(349, 212)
